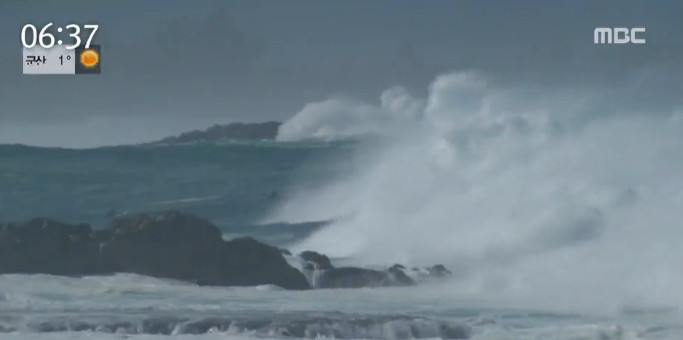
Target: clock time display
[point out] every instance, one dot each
(55, 49)
(31, 36)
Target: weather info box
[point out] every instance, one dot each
(60, 60)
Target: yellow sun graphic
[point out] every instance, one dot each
(90, 58)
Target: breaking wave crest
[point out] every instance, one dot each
(547, 197)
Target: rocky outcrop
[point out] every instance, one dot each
(353, 277)
(183, 247)
(316, 260)
(438, 270)
(169, 245)
(320, 273)
(234, 131)
(435, 271)
(48, 246)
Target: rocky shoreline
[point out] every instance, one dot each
(183, 247)
(233, 131)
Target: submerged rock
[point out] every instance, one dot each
(351, 277)
(321, 273)
(169, 245)
(354, 277)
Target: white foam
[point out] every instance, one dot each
(340, 118)
(532, 197)
(51, 307)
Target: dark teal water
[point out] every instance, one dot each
(231, 184)
(234, 185)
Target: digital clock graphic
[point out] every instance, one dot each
(69, 51)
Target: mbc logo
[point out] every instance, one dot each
(618, 35)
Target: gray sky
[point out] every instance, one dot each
(172, 66)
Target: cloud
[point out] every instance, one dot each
(190, 66)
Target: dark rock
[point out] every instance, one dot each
(234, 131)
(170, 245)
(249, 262)
(167, 227)
(398, 266)
(399, 277)
(320, 261)
(322, 274)
(285, 252)
(46, 246)
(438, 270)
(351, 277)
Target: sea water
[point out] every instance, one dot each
(558, 222)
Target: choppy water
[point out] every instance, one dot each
(231, 184)
(45, 307)
(235, 186)
(560, 220)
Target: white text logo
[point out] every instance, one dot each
(618, 35)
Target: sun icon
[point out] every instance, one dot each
(90, 58)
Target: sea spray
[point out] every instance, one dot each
(533, 197)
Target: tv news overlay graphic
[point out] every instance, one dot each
(56, 60)
(618, 35)
(68, 36)
(88, 60)
(59, 60)
(51, 49)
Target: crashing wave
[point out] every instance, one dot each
(502, 184)
(338, 326)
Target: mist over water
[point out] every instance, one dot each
(540, 198)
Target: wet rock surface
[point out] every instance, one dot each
(168, 245)
(321, 273)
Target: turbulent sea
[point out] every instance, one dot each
(558, 221)
(236, 186)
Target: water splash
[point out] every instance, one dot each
(531, 196)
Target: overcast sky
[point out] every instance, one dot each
(173, 66)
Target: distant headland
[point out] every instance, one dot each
(233, 131)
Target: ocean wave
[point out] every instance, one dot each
(188, 200)
(522, 193)
(300, 325)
